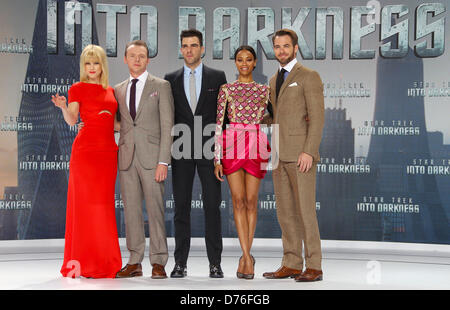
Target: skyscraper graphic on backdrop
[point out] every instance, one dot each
(389, 154)
(336, 191)
(440, 153)
(47, 189)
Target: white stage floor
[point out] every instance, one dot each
(347, 265)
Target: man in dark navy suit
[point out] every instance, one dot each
(195, 88)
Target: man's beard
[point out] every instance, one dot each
(288, 59)
(194, 61)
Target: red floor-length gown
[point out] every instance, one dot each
(91, 241)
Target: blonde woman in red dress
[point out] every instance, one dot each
(241, 150)
(91, 240)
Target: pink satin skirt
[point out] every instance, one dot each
(245, 146)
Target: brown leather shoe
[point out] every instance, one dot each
(281, 273)
(158, 272)
(130, 271)
(310, 275)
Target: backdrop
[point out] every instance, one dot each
(384, 173)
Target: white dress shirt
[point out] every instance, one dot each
(139, 88)
(198, 72)
(289, 66)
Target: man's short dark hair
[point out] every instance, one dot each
(137, 43)
(191, 33)
(286, 32)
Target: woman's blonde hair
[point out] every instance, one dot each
(98, 53)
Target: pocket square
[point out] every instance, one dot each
(293, 84)
(154, 94)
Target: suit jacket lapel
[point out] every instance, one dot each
(145, 94)
(122, 99)
(180, 86)
(289, 78)
(203, 91)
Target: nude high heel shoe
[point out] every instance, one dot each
(250, 276)
(239, 275)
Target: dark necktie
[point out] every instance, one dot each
(133, 98)
(280, 80)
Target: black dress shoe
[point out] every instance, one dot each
(215, 271)
(179, 271)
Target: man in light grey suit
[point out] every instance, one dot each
(146, 120)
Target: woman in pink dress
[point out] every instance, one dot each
(242, 150)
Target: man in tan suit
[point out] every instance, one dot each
(146, 120)
(297, 107)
